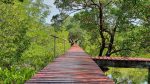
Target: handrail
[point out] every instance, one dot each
(64, 42)
(58, 37)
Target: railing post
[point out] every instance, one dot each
(64, 45)
(54, 46)
(149, 75)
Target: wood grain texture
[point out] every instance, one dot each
(74, 67)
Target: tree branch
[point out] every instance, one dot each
(115, 51)
(65, 17)
(71, 13)
(108, 3)
(94, 3)
(107, 31)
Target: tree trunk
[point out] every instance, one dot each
(101, 30)
(111, 42)
(102, 45)
(108, 53)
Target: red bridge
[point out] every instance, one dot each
(75, 66)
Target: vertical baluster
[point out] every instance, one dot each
(54, 46)
(149, 75)
(64, 45)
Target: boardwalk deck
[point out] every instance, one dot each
(124, 62)
(75, 66)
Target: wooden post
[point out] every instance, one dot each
(64, 46)
(149, 75)
(54, 46)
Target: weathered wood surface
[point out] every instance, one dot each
(126, 62)
(74, 67)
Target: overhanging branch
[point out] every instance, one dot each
(65, 17)
(107, 31)
(115, 51)
(94, 3)
(108, 3)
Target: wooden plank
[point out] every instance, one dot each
(74, 67)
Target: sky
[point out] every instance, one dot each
(53, 10)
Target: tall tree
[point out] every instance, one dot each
(15, 20)
(108, 17)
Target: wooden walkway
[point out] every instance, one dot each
(74, 67)
(124, 62)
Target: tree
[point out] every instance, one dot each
(10, 1)
(15, 22)
(109, 18)
(26, 44)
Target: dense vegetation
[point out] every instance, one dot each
(115, 26)
(109, 28)
(100, 27)
(25, 42)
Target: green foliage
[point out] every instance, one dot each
(26, 44)
(15, 75)
(130, 18)
(13, 33)
(126, 75)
